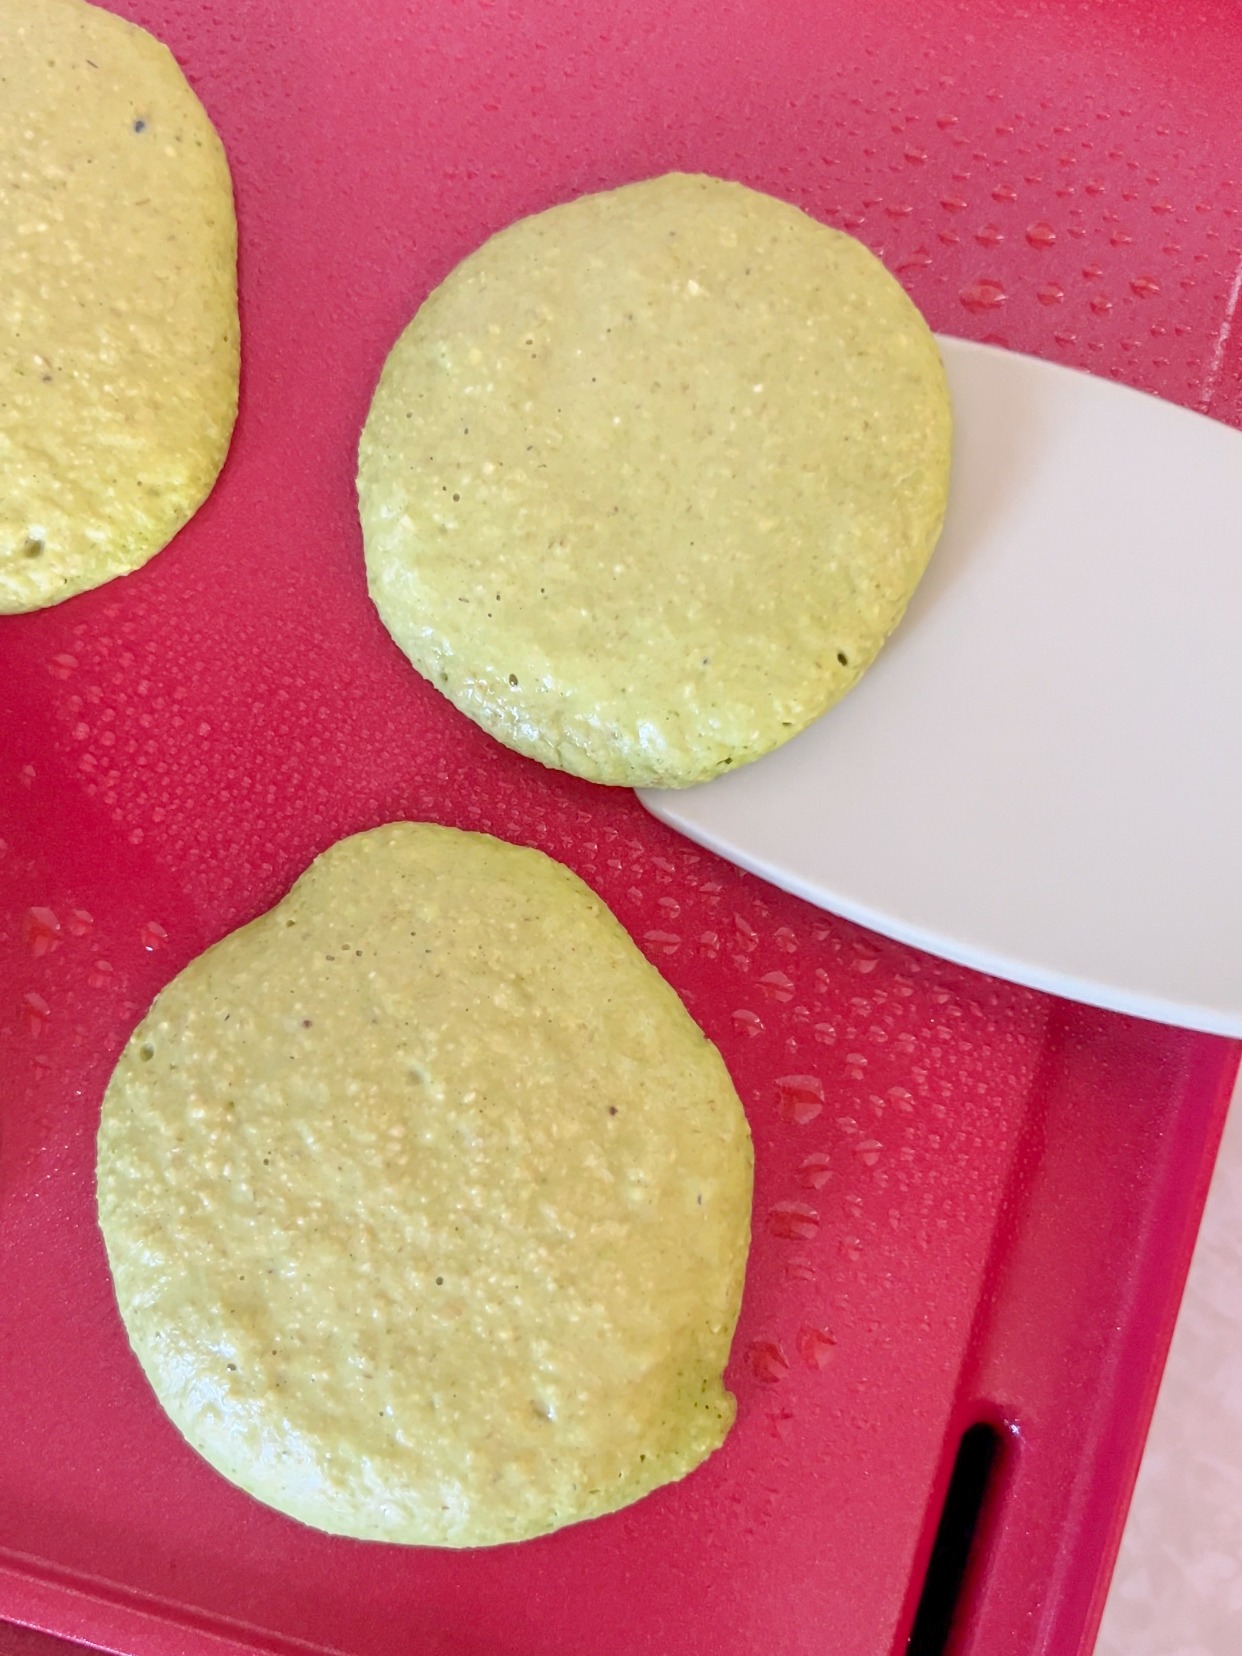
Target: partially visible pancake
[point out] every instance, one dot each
(426, 1202)
(650, 478)
(118, 300)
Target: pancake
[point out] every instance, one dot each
(426, 1202)
(118, 300)
(649, 479)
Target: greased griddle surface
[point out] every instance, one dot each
(970, 1200)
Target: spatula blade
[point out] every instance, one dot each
(1041, 776)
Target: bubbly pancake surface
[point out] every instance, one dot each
(651, 476)
(118, 300)
(426, 1202)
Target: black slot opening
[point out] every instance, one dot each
(977, 1456)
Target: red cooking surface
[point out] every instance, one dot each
(972, 1202)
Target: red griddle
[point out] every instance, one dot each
(974, 1204)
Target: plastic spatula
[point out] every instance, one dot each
(1041, 775)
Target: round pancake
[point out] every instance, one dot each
(649, 479)
(426, 1202)
(118, 300)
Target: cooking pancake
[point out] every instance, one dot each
(649, 479)
(426, 1202)
(118, 300)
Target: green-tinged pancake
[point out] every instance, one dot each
(118, 300)
(426, 1202)
(650, 478)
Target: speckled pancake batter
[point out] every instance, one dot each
(426, 1202)
(650, 478)
(118, 300)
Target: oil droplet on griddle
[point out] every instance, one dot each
(800, 1098)
(816, 1346)
(793, 1221)
(767, 1361)
(41, 930)
(777, 986)
(814, 1171)
(662, 942)
(918, 260)
(35, 1013)
(780, 1421)
(982, 296)
(747, 936)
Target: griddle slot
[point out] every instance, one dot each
(978, 1457)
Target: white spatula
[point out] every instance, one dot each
(1041, 776)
